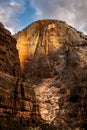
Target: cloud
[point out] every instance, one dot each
(8, 11)
(71, 11)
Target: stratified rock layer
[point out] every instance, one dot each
(17, 98)
(9, 60)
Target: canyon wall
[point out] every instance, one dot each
(53, 58)
(17, 98)
(43, 85)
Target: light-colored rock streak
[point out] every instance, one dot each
(47, 97)
(26, 47)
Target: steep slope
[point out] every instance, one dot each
(53, 57)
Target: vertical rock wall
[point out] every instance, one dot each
(9, 60)
(17, 99)
(55, 64)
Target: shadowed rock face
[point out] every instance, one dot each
(17, 98)
(9, 60)
(52, 92)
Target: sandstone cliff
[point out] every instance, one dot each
(49, 91)
(53, 56)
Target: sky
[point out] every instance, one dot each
(18, 14)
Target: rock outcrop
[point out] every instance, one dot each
(47, 88)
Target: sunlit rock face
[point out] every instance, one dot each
(43, 37)
(53, 59)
